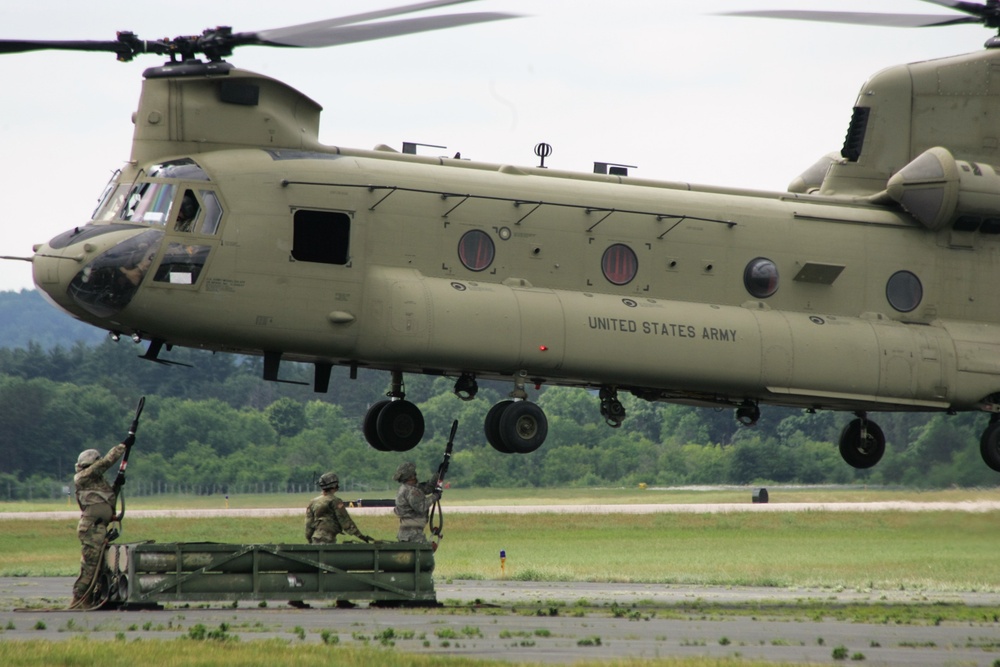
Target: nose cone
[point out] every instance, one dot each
(93, 272)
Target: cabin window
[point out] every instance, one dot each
(619, 264)
(904, 291)
(761, 277)
(476, 250)
(321, 236)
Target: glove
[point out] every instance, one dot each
(129, 441)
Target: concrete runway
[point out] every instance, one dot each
(648, 621)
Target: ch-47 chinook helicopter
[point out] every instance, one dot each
(867, 287)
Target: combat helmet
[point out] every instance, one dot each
(328, 481)
(405, 471)
(87, 458)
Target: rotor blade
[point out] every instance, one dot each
(23, 46)
(863, 18)
(378, 14)
(321, 34)
(973, 8)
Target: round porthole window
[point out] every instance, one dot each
(476, 250)
(619, 264)
(904, 291)
(761, 277)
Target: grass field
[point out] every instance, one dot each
(941, 550)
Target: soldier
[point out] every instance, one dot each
(413, 501)
(326, 516)
(97, 501)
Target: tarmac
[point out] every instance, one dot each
(549, 622)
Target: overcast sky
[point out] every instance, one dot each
(670, 86)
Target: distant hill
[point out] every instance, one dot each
(25, 317)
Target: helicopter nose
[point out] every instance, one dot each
(93, 272)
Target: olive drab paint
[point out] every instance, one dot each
(869, 286)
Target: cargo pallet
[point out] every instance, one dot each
(149, 573)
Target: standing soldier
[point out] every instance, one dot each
(97, 500)
(413, 501)
(326, 516)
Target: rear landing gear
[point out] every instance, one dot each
(989, 443)
(395, 424)
(862, 442)
(516, 426)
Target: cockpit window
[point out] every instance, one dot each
(149, 203)
(108, 193)
(187, 214)
(213, 212)
(198, 213)
(111, 203)
(185, 168)
(182, 264)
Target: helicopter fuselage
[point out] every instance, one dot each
(415, 264)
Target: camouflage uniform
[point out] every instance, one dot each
(326, 517)
(413, 502)
(96, 499)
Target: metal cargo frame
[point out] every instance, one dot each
(148, 572)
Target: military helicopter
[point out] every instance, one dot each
(863, 288)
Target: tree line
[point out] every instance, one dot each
(216, 427)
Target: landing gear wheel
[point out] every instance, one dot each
(492, 427)
(858, 451)
(989, 445)
(523, 427)
(400, 426)
(370, 426)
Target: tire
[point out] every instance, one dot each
(523, 427)
(370, 426)
(400, 426)
(860, 454)
(989, 445)
(491, 426)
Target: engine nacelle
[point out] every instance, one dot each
(940, 191)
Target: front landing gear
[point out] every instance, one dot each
(394, 424)
(862, 442)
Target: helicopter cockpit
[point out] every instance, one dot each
(173, 198)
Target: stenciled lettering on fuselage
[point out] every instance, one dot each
(671, 329)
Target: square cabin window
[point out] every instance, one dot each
(321, 236)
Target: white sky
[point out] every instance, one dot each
(669, 86)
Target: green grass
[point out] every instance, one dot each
(193, 653)
(857, 550)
